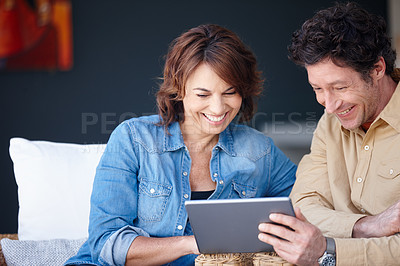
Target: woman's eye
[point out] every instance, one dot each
(202, 95)
(230, 93)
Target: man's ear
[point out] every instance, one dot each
(379, 69)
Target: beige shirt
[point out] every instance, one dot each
(351, 174)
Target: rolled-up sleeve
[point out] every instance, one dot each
(117, 245)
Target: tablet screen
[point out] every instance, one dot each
(231, 225)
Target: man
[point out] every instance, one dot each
(349, 185)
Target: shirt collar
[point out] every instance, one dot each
(225, 141)
(174, 141)
(390, 113)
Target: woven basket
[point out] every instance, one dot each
(10, 236)
(236, 259)
(269, 259)
(241, 259)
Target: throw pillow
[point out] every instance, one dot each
(54, 187)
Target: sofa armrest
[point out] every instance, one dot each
(10, 236)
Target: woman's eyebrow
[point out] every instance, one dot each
(202, 89)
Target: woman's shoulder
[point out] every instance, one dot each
(247, 134)
(150, 122)
(144, 129)
(250, 142)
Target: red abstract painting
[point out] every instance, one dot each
(35, 35)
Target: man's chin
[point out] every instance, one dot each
(349, 125)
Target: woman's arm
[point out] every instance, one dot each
(158, 251)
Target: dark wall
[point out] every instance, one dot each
(118, 55)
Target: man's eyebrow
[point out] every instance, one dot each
(335, 82)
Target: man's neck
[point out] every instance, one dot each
(387, 87)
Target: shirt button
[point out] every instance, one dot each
(216, 148)
(362, 210)
(359, 180)
(186, 196)
(221, 182)
(244, 193)
(152, 190)
(391, 171)
(215, 174)
(366, 147)
(180, 227)
(185, 173)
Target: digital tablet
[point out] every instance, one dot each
(231, 225)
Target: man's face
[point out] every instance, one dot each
(343, 92)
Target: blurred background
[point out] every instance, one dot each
(116, 55)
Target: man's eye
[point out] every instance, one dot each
(202, 95)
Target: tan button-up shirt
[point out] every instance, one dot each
(351, 174)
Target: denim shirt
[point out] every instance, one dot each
(142, 183)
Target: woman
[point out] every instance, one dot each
(191, 150)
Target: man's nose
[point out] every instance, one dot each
(331, 102)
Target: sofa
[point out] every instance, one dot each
(54, 187)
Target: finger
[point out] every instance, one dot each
(277, 231)
(273, 241)
(284, 219)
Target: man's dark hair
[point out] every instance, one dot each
(346, 34)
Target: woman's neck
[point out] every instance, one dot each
(198, 142)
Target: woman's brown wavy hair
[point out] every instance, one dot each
(224, 52)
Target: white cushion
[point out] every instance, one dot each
(54, 186)
(39, 253)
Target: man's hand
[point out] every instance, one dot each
(386, 223)
(303, 246)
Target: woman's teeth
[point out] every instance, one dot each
(215, 118)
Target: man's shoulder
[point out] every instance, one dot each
(329, 123)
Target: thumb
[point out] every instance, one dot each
(300, 215)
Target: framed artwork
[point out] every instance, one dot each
(35, 35)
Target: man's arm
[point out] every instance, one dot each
(312, 190)
(386, 223)
(305, 244)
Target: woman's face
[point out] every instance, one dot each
(210, 104)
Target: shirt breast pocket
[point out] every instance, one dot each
(153, 199)
(389, 169)
(243, 191)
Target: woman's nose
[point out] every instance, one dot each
(217, 105)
